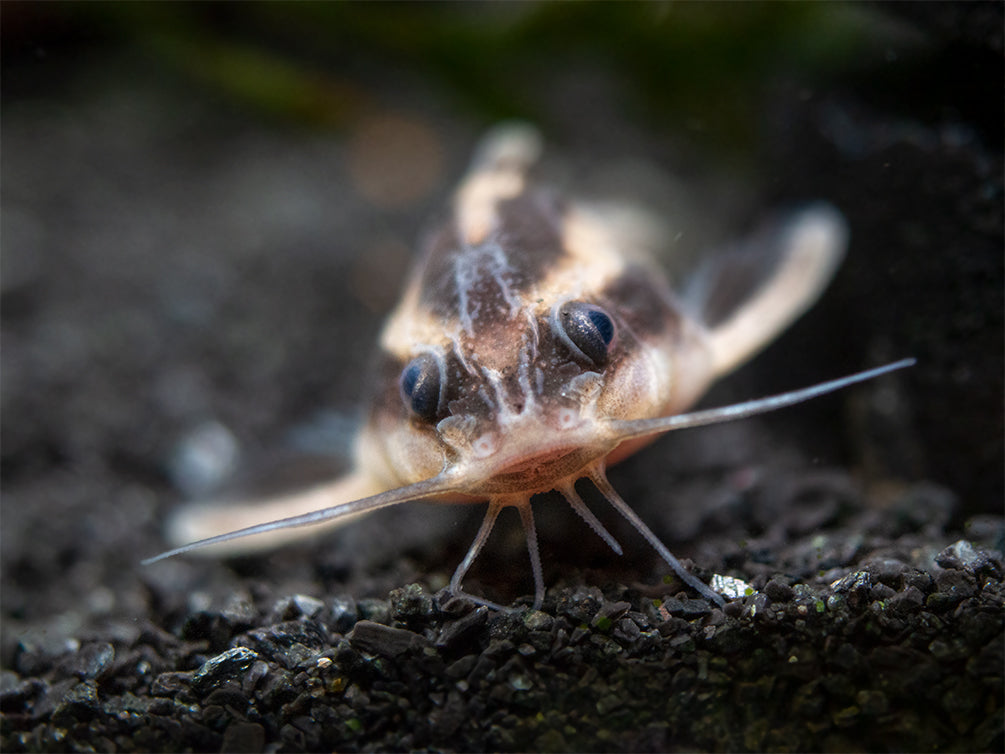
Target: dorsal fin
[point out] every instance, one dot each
(748, 294)
(498, 172)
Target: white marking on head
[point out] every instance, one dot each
(471, 268)
(504, 410)
(527, 360)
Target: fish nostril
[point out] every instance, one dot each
(485, 445)
(567, 418)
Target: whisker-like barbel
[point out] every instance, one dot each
(429, 487)
(747, 409)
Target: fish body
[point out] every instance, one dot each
(535, 343)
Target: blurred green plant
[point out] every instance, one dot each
(702, 65)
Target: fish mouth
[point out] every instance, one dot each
(539, 472)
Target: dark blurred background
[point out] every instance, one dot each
(208, 208)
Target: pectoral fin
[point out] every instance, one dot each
(748, 294)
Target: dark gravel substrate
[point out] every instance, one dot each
(185, 279)
(900, 656)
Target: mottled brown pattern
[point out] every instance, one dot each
(529, 235)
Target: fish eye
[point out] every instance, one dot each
(422, 386)
(586, 329)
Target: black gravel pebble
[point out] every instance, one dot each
(962, 555)
(228, 666)
(386, 641)
(778, 591)
(243, 737)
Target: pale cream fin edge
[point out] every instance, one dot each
(498, 171)
(203, 520)
(815, 241)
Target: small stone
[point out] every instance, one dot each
(682, 643)
(37, 652)
(499, 648)
(228, 666)
(845, 718)
(881, 592)
(14, 692)
(641, 620)
(227, 695)
(463, 629)
(580, 605)
(386, 641)
(289, 643)
(846, 657)
(169, 684)
(758, 606)
(626, 631)
(778, 591)
(344, 616)
(951, 650)
(202, 625)
(614, 610)
(378, 611)
(551, 740)
(303, 605)
(808, 702)
(51, 695)
(9, 681)
(482, 667)
(733, 609)
(410, 602)
(129, 704)
(461, 668)
(889, 571)
(537, 620)
(940, 601)
(601, 623)
(687, 608)
(505, 625)
(258, 671)
(309, 606)
(919, 579)
(520, 682)
(730, 587)
(956, 584)
(92, 661)
(872, 702)
(243, 737)
(962, 555)
(239, 611)
(906, 601)
(610, 702)
(79, 704)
